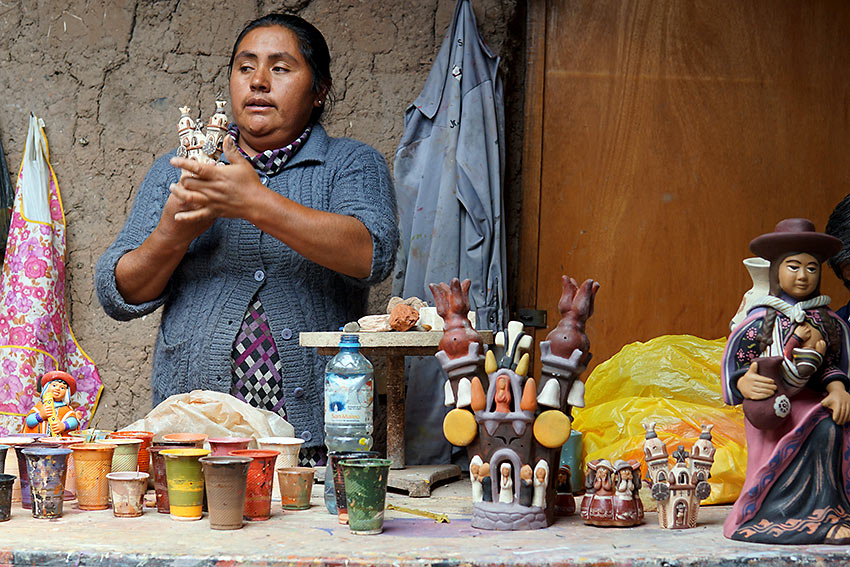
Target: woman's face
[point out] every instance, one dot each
(271, 89)
(799, 275)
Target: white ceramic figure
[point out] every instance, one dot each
(474, 470)
(506, 484)
(541, 480)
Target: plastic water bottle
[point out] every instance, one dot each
(348, 406)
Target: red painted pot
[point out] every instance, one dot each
(258, 493)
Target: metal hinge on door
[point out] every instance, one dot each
(532, 317)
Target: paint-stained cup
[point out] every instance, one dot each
(334, 458)
(3, 450)
(225, 479)
(47, 468)
(296, 486)
(366, 494)
(71, 477)
(185, 482)
(128, 493)
(23, 474)
(258, 493)
(126, 455)
(92, 462)
(7, 481)
(221, 446)
(160, 478)
(146, 437)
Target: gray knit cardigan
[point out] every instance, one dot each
(224, 268)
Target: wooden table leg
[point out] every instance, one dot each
(395, 411)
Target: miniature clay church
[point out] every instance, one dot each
(512, 427)
(197, 144)
(679, 489)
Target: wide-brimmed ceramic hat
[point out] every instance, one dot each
(58, 375)
(797, 236)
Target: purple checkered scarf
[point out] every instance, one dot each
(270, 162)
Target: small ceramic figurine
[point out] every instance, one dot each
(53, 414)
(680, 489)
(196, 144)
(787, 362)
(498, 411)
(474, 471)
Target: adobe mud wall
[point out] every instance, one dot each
(108, 77)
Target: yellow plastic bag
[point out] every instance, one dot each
(673, 380)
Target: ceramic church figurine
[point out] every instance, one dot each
(53, 414)
(787, 362)
(680, 489)
(513, 429)
(196, 144)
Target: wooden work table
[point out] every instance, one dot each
(314, 537)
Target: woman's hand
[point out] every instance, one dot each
(208, 191)
(811, 338)
(837, 400)
(754, 386)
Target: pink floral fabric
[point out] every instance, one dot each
(35, 336)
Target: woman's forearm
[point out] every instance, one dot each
(142, 274)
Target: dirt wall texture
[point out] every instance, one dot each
(108, 77)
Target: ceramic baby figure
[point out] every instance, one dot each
(53, 414)
(788, 362)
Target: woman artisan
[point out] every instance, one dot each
(286, 238)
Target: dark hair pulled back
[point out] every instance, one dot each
(311, 44)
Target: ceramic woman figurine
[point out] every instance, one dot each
(526, 485)
(53, 414)
(541, 477)
(506, 484)
(792, 351)
(474, 471)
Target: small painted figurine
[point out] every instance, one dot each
(541, 481)
(474, 471)
(53, 414)
(484, 479)
(797, 488)
(526, 485)
(628, 507)
(612, 498)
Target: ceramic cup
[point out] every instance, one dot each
(126, 455)
(258, 494)
(7, 481)
(128, 493)
(288, 447)
(47, 468)
(221, 446)
(225, 479)
(196, 439)
(11, 467)
(146, 438)
(23, 475)
(92, 462)
(71, 477)
(366, 494)
(3, 450)
(185, 482)
(334, 458)
(160, 478)
(296, 486)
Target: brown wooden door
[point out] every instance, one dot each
(662, 136)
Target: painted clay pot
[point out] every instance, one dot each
(221, 446)
(258, 493)
(288, 447)
(160, 478)
(126, 455)
(225, 479)
(128, 493)
(296, 486)
(3, 450)
(366, 494)
(146, 437)
(47, 468)
(12, 442)
(196, 439)
(185, 482)
(92, 462)
(7, 481)
(334, 458)
(71, 478)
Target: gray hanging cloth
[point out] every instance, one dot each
(7, 199)
(449, 170)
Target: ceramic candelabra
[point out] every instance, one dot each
(679, 489)
(513, 429)
(613, 494)
(197, 144)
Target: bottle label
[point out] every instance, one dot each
(348, 399)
